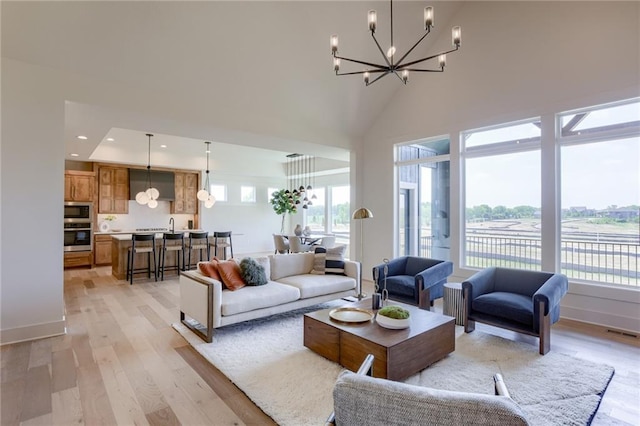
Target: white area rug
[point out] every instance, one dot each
(268, 361)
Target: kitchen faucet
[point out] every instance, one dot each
(173, 225)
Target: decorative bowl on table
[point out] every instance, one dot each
(393, 317)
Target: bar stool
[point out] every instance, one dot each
(222, 240)
(198, 241)
(145, 244)
(176, 245)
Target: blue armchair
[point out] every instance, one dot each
(523, 301)
(414, 280)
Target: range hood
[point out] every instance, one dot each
(163, 181)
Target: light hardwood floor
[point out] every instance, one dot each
(122, 363)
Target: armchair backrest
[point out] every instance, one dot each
(381, 401)
(415, 265)
(519, 281)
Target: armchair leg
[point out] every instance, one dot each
(469, 325)
(424, 300)
(544, 324)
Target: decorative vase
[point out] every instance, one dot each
(307, 231)
(298, 230)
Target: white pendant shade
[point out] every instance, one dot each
(153, 193)
(210, 201)
(152, 204)
(203, 195)
(142, 198)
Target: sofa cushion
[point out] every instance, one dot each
(318, 285)
(510, 306)
(403, 285)
(256, 297)
(290, 264)
(329, 260)
(252, 272)
(230, 274)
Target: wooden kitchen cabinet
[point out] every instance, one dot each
(74, 259)
(78, 185)
(113, 190)
(186, 187)
(102, 250)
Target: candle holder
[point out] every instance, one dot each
(376, 297)
(385, 292)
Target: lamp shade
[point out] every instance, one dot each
(362, 213)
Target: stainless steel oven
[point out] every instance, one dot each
(78, 226)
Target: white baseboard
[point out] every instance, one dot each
(32, 332)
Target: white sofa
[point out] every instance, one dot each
(291, 286)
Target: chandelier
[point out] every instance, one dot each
(400, 68)
(203, 194)
(150, 196)
(300, 170)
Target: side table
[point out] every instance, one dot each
(452, 305)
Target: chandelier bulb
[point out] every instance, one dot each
(365, 77)
(456, 36)
(428, 18)
(152, 204)
(373, 20)
(202, 195)
(405, 76)
(442, 59)
(334, 44)
(142, 198)
(391, 51)
(336, 64)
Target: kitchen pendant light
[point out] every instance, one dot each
(203, 194)
(150, 196)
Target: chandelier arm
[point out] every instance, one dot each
(399, 63)
(380, 49)
(382, 67)
(378, 78)
(427, 58)
(384, 70)
(398, 75)
(419, 70)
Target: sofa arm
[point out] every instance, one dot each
(352, 269)
(551, 292)
(362, 400)
(434, 274)
(201, 297)
(480, 283)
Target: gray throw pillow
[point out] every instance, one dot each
(252, 272)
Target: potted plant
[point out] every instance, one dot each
(283, 202)
(393, 317)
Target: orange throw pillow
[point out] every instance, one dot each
(231, 275)
(210, 269)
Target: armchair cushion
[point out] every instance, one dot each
(511, 306)
(403, 285)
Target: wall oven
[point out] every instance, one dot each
(78, 226)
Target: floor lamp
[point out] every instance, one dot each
(360, 214)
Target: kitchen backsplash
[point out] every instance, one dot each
(143, 217)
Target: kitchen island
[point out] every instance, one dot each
(120, 245)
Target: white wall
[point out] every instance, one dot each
(518, 60)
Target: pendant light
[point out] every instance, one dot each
(150, 196)
(203, 194)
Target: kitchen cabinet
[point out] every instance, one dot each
(78, 185)
(113, 190)
(102, 250)
(78, 258)
(186, 187)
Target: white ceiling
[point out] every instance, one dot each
(258, 59)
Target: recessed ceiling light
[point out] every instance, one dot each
(84, 138)
(110, 139)
(163, 146)
(74, 155)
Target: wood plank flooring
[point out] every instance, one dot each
(121, 363)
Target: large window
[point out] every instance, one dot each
(315, 215)
(600, 163)
(502, 200)
(423, 198)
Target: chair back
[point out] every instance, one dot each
(328, 241)
(282, 246)
(143, 242)
(198, 239)
(296, 246)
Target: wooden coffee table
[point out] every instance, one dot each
(398, 353)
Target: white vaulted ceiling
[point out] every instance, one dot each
(244, 73)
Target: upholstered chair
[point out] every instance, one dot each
(297, 246)
(414, 280)
(519, 300)
(281, 244)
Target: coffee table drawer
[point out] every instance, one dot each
(322, 339)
